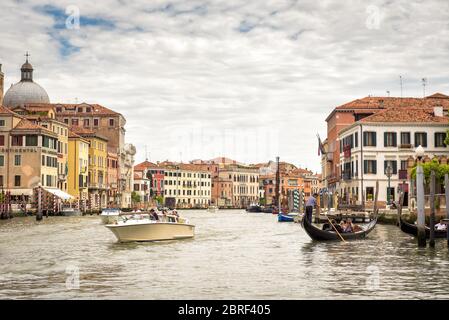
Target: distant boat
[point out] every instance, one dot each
(212, 209)
(282, 217)
(254, 208)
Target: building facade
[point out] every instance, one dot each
(187, 186)
(78, 169)
(388, 139)
(28, 155)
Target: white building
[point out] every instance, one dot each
(387, 138)
(187, 185)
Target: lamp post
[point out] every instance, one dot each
(389, 173)
(419, 152)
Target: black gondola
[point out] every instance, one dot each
(254, 208)
(322, 235)
(413, 230)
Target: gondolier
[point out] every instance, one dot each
(310, 204)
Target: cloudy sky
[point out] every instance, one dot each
(247, 79)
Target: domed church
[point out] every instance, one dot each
(26, 90)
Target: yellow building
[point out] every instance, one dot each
(97, 167)
(78, 166)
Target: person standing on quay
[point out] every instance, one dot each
(310, 204)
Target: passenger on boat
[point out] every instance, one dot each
(327, 226)
(153, 215)
(347, 226)
(440, 226)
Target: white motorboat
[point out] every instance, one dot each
(212, 209)
(168, 227)
(110, 215)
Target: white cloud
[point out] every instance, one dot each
(250, 78)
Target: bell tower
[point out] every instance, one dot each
(27, 70)
(1, 85)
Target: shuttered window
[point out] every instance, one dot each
(390, 139)
(421, 139)
(370, 166)
(369, 139)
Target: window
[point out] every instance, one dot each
(370, 166)
(369, 139)
(80, 109)
(439, 139)
(2, 160)
(88, 109)
(356, 140)
(96, 122)
(405, 138)
(369, 193)
(75, 122)
(2, 123)
(16, 181)
(1, 181)
(111, 122)
(393, 164)
(86, 122)
(390, 191)
(17, 141)
(420, 139)
(404, 164)
(58, 109)
(31, 141)
(390, 139)
(17, 160)
(66, 121)
(2, 140)
(43, 160)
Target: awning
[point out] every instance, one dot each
(59, 193)
(19, 192)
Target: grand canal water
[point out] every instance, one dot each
(235, 255)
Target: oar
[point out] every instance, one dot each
(342, 239)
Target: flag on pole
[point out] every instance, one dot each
(320, 146)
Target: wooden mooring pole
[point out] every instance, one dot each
(422, 242)
(432, 210)
(446, 191)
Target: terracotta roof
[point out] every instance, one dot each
(144, 165)
(4, 110)
(25, 124)
(73, 134)
(36, 107)
(411, 116)
(372, 104)
(86, 132)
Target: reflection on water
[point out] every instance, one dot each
(234, 255)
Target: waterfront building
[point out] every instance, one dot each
(142, 183)
(78, 168)
(186, 185)
(97, 168)
(346, 114)
(112, 179)
(385, 139)
(28, 155)
(244, 184)
(44, 115)
(154, 173)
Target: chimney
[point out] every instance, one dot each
(1, 85)
(438, 111)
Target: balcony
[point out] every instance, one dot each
(406, 146)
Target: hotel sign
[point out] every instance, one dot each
(18, 150)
